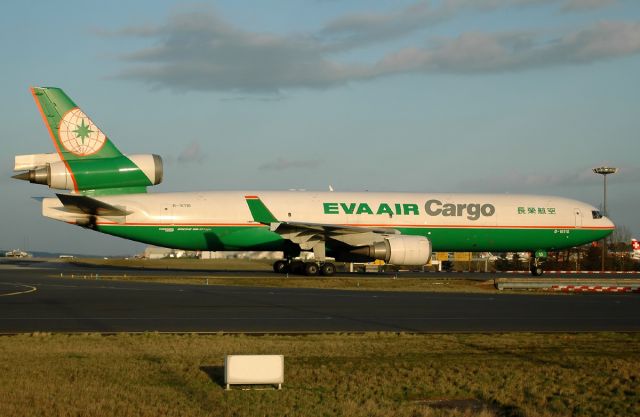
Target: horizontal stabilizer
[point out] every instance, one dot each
(88, 205)
(27, 162)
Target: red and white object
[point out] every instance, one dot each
(593, 288)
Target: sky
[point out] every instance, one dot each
(500, 96)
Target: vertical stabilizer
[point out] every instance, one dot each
(74, 134)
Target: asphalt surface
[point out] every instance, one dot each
(34, 298)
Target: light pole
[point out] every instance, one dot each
(604, 171)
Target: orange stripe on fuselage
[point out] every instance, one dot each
(422, 226)
(53, 138)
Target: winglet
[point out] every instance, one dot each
(259, 211)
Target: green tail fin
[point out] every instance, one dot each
(73, 133)
(93, 162)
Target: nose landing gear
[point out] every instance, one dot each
(536, 267)
(536, 270)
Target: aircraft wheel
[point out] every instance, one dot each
(327, 269)
(297, 267)
(311, 269)
(537, 270)
(281, 267)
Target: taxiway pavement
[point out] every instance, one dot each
(33, 298)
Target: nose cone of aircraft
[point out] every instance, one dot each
(608, 223)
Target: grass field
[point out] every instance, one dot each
(180, 263)
(357, 283)
(234, 267)
(325, 375)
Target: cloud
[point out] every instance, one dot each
(198, 50)
(264, 98)
(483, 52)
(191, 153)
(578, 5)
(282, 164)
(359, 29)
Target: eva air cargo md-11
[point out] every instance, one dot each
(108, 193)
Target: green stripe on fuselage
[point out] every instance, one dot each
(504, 239)
(200, 237)
(443, 239)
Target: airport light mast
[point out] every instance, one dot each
(604, 171)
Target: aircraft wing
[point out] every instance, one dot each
(87, 205)
(309, 235)
(336, 228)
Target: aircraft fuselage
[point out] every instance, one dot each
(221, 220)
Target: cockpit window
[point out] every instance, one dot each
(596, 214)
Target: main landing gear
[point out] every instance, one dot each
(311, 269)
(536, 267)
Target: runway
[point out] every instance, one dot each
(33, 299)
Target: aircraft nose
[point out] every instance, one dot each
(608, 223)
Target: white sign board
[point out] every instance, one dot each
(254, 369)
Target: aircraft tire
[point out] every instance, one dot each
(281, 267)
(311, 269)
(297, 267)
(537, 271)
(327, 269)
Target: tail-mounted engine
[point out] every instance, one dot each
(90, 174)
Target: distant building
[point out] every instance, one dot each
(155, 252)
(211, 255)
(240, 255)
(17, 253)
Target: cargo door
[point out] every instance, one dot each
(578, 217)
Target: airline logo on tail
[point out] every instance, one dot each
(79, 135)
(74, 134)
(635, 245)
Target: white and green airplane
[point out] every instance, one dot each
(108, 193)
